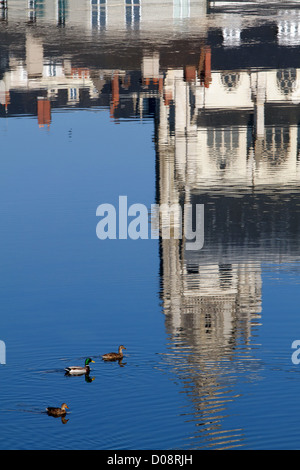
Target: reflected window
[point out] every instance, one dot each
(192, 269)
(31, 10)
(225, 275)
(230, 80)
(3, 10)
(99, 14)
(62, 12)
(40, 8)
(132, 13)
(181, 8)
(207, 322)
(289, 28)
(231, 37)
(286, 81)
(224, 144)
(73, 94)
(277, 143)
(53, 68)
(172, 118)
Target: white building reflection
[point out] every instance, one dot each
(228, 140)
(122, 15)
(212, 128)
(217, 134)
(288, 24)
(102, 14)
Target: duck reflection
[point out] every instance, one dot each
(63, 420)
(120, 362)
(87, 377)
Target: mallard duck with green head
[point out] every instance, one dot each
(75, 370)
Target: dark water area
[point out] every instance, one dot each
(198, 107)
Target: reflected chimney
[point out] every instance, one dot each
(44, 112)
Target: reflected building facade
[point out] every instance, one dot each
(228, 139)
(232, 144)
(98, 14)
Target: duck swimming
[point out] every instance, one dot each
(114, 356)
(57, 411)
(75, 370)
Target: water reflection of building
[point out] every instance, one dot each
(141, 15)
(215, 130)
(43, 80)
(242, 129)
(98, 14)
(232, 144)
(237, 137)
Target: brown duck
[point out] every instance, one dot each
(57, 411)
(114, 356)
